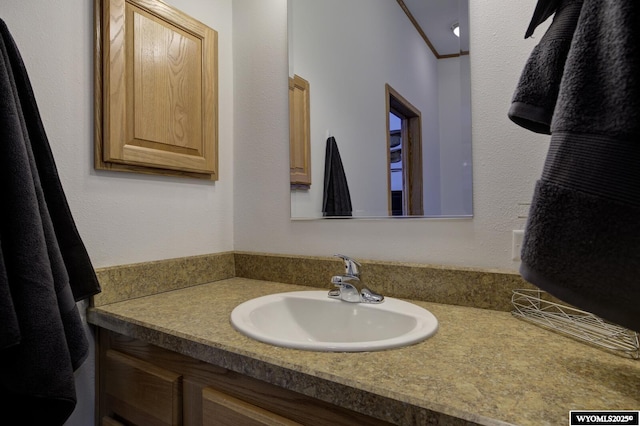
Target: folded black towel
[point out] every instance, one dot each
(534, 100)
(582, 239)
(44, 266)
(336, 198)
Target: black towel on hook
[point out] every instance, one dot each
(337, 199)
(582, 238)
(44, 266)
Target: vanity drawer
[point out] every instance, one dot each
(220, 409)
(142, 393)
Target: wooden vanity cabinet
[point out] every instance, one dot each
(141, 384)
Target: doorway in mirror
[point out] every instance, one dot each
(404, 156)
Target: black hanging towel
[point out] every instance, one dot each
(582, 85)
(336, 200)
(44, 266)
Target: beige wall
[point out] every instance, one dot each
(122, 217)
(506, 159)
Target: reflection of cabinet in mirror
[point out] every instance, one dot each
(156, 90)
(299, 132)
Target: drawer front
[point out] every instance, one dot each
(142, 393)
(220, 409)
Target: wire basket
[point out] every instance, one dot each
(532, 306)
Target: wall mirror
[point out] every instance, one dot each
(390, 82)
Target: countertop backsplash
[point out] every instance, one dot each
(479, 288)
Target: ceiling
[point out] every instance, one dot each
(435, 18)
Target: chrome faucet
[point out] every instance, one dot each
(348, 285)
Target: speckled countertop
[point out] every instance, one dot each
(482, 367)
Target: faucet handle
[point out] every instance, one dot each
(350, 265)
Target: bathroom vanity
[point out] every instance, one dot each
(174, 358)
(147, 385)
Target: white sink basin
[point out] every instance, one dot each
(311, 320)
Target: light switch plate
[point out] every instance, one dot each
(516, 243)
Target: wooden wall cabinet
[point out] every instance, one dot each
(299, 132)
(156, 94)
(143, 385)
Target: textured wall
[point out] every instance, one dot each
(506, 159)
(122, 217)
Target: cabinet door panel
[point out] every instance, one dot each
(108, 421)
(142, 393)
(220, 409)
(159, 94)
